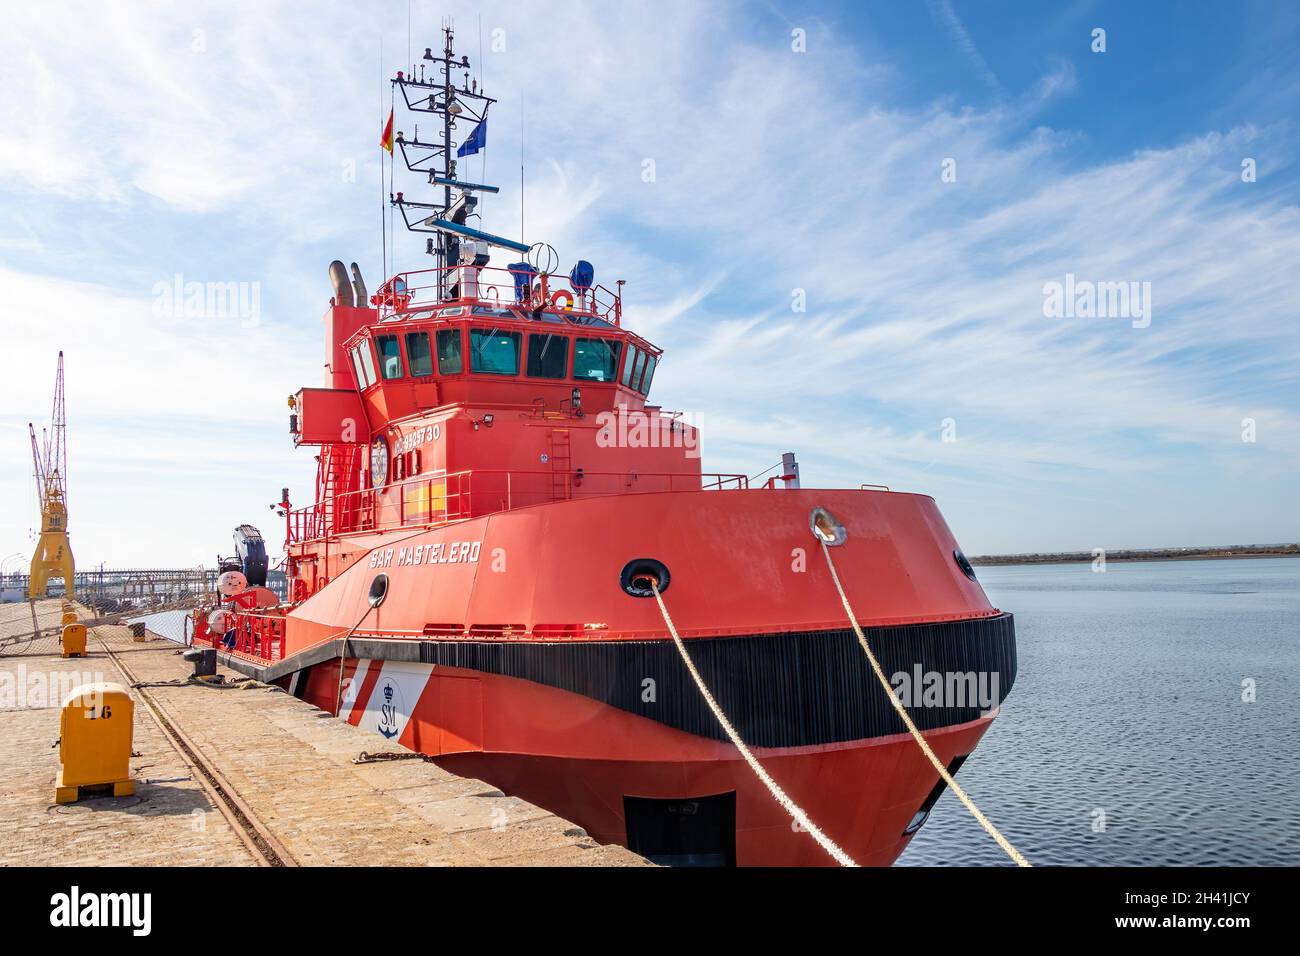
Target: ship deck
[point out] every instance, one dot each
(244, 776)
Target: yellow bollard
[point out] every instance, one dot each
(69, 617)
(96, 727)
(74, 640)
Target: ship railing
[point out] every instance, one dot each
(421, 290)
(440, 498)
(787, 478)
(316, 521)
(259, 635)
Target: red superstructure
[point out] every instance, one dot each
(495, 491)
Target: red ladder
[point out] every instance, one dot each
(561, 465)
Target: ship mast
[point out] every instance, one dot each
(447, 92)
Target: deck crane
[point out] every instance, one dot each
(53, 557)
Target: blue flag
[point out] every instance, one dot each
(476, 140)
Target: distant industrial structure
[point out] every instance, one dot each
(111, 589)
(53, 556)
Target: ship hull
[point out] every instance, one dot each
(862, 794)
(508, 649)
(741, 562)
(638, 780)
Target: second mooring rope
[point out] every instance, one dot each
(916, 734)
(778, 794)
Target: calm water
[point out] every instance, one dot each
(1129, 701)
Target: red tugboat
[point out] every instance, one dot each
(497, 498)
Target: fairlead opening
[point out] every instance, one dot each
(640, 576)
(826, 527)
(378, 590)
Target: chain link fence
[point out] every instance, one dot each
(157, 599)
(31, 628)
(34, 628)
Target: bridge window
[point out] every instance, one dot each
(637, 369)
(390, 356)
(418, 356)
(363, 365)
(548, 356)
(632, 354)
(355, 355)
(595, 360)
(368, 360)
(494, 351)
(449, 360)
(650, 363)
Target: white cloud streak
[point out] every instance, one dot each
(775, 171)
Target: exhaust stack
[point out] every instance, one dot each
(343, 293)
(359, 287)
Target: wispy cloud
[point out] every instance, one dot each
(775, 173)
(946, 16)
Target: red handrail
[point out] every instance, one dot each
(259, 635)
(421, 290)
(440, 498)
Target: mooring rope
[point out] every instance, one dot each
(343, 660)
(792, 808)
(989, 828)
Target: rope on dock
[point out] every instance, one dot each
(989, 828)
(826, 843)
(218, 681)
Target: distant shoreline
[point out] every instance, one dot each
(1155, 554)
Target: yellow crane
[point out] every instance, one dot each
(53, 557)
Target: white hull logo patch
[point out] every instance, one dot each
(389, 708)
(398, 690)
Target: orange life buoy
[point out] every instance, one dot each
(562, 294)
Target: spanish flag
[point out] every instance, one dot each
(387, 141)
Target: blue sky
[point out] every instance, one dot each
(237, 143)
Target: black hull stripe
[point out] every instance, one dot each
(780, 690)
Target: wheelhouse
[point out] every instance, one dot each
(498, 356)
